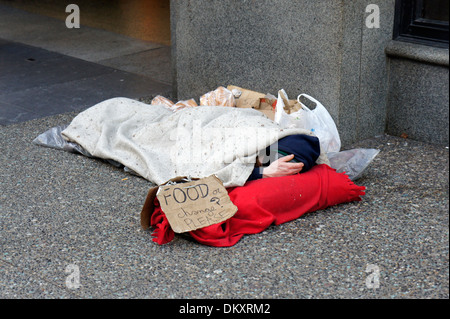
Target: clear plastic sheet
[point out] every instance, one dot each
(161, 100)
(219, 97)
(353, 162)
(52, 138)
(184, 104)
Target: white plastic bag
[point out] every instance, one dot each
(281, 117)
(318, 120)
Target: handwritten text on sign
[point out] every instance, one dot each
(193, 205)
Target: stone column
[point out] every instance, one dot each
(322, 48)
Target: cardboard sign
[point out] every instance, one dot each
(197, 204)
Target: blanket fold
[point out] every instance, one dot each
(267, 202)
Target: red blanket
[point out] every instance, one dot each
(264, 202)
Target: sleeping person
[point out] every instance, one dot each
(290, 155)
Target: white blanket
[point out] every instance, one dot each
(159, 144)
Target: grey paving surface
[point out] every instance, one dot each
(59, 209)
(35, 82)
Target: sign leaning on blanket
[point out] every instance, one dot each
(195, 204)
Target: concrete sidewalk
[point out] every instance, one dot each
(59, 209)
(61, 212)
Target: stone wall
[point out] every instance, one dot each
(322, 47)
(418, 96)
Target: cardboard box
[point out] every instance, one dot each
(251, 99)
(190, 205)
(246, 98)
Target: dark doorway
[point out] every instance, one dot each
(147, 20)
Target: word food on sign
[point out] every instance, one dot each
(197, 204)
